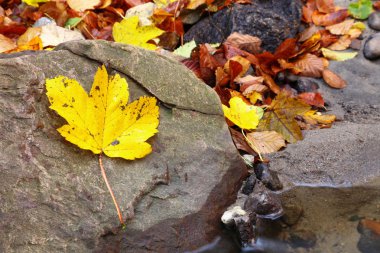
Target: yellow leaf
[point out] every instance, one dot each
(128, 32)
(265, 142)
(314, 117)
(254, 96)
(243, 115)
(338, 56)
(34, 2)
(102, 121)
(163, 3)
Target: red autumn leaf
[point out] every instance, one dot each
(333, 18)
(376, 5)
(268, 81)
(327, 38)
(193, 65)
(12, 30)
(224, 94)
(325, 6)
(312, 98)
(235, 69)
(286, 49)
(240, 142)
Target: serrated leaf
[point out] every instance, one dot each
(243, 115)
(128, 31)
(265, 142)
(102, 121)
(338, 56)
(185, 50)
(280, 117)
(361, 9)
(34, 2)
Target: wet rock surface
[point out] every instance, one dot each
(52, 197)
(372, 47)
(270, 20)
(374, 21)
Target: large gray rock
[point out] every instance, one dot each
(271, 20)
(52, 196)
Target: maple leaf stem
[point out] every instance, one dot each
(110, 190)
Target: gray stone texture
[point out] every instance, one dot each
(52, 195)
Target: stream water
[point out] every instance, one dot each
(319, 220)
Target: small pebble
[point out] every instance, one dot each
(372, 47)
(229, 215)
(249, 184)
(306, 84)
(374, 21)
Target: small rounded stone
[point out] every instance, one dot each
(372, 47)
(374, 21)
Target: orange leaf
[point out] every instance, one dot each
(245, 42)
(310, 65)
(325, 6)
(312, 98)
(342, 44)
(322, 19)
(341, 28)
(333, 80)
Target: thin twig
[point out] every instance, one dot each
(110, 190)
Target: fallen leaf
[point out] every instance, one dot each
(102, 121)
(308, 10)
(312, 98)
(6, 44)
(313, 117)
(143, 11)
(245, 42)
(307, 33)
(342, 44)
(254, 96)
(333, 80)
(310, 65)
(34, 2)
(128, 32)
(185, 50)
(52, 35)
(82, 5)
(240, 141)
(376, 5)
(265, 142)
(325, 6)
(30, 34)
(33, 44)
(244, 63)
(322, 19)
(243, 115)
(280, 117)
(338, 56)
(341, 28)
(360, 9)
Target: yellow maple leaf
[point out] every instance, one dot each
(128, 31)
(103, 121)
(243, 115)
(34, 2)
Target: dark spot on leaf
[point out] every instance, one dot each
(72, 100)
(97, 88)
(65, 85)
(122, 107)
(65, 105)
(115, 142)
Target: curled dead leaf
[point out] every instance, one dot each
(342, 44)
(341, 28)
(322, 19)
(325, 6)
(333, 80)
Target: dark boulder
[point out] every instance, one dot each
(270, 20)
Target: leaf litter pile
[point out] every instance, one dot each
(264, 106)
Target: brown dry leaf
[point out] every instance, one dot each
(333, 80)
(325, 6)
(342, 44)
(341, 28)
(245, 64)
(222, 78)
(354, 33)
(322, 19)
(249, 80)
(280, 117)
(307, 33)
(240, 141)
(310, 65)
(307, 11)
(6, 44)
(245, 42)
(269, 81)
(260, 88)
(327, 38)
(265, 142)
(312, 98)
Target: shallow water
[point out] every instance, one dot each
(328, 223)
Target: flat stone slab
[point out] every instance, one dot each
(52, 196)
